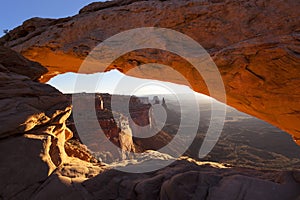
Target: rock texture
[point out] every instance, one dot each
(28, 105)
(110, 123)
(255, 45)
(34, 164)
(32, 131)
(184, 179)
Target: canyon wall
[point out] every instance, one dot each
(139, 115)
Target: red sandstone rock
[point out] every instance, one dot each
(27, 105)
(33, 162)
(255, 45)
(32, 129)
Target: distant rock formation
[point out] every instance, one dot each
(155, 100)
(163, 103)
(125, 138)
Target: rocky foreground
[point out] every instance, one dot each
(35, 165)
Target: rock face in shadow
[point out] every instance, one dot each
(186, 179)
(11, 61)
(255, 45)
(27, 105)
(33, 130)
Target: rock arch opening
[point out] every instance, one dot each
(259, 64)
(245, 140)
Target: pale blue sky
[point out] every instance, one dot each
(114, 82)
(14, 12)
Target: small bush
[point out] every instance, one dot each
(5, 31)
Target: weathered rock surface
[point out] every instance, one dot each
(255, 45)
(34, 164)
(33, 130)
(27, 105)
(25, 163)
(186, 179)
(11, 61)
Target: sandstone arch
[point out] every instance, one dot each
(255, 44)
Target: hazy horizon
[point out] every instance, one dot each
(115, 82)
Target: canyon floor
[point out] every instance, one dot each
(245, 141)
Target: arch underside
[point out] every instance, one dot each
(256, 50)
